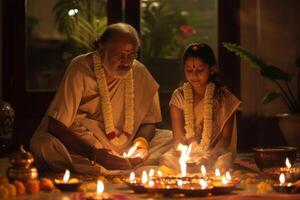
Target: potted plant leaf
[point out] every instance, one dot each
(81, 21)
(289, 124)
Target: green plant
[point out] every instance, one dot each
(160, 29)
(78, 20)
(281, 78)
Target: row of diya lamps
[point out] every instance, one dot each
(201, 184)
(204, 183)
(190, 185)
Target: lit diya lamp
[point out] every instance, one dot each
(67, 184)
(282, 186)
(159, 173)
(137, 184)
(217, 174)
(151, 173)
(99, 194)
(225, 185)
(291, 173)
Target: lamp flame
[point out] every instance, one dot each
(151, 183)
(66, 176)
(130, 151)
(100, 187)
(131, 177)
(151, 173)
(179, 183)
(217, 172)
(224, 180)
(159, 173)
(203, 183)
(287, 163)
(203, 170)
(185, 152)
(282, 178)
(228, 176)
(144, 177)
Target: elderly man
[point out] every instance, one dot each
(106, 103)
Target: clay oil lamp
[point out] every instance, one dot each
(137, 184)
(283, 186)
(291, 173)
(226, 185)
(99, 194)
(67, 184)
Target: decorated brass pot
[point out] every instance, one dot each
(21, 158)
(21, 166)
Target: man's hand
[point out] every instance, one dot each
(110, 161)
(138, 156)
(136, 161)
(140, 153)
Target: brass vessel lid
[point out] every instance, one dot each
(21, 158)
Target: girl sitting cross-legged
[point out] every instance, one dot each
(202, 114)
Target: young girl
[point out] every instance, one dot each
(202, 113)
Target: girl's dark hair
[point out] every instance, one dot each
(117, 28)
(206, 54)
(202, 51)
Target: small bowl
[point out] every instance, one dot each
(284, 188)
(137, 186)
(275, 156)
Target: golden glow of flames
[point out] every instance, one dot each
(224, 180)
(203, 170)
(131, 177)
(179, 183)
(151, 173)
(144, 177)
(217, 172)
(100, 187)
(228, 176)
(66, 176)
(185, 156)
(203, 183)
(159, 173)
(130, 151)
(282, 178)
(151, 183)
(287, 163)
